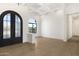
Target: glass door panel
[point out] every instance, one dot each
(6, 26)
(17, 26)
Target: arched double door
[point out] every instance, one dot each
(10, 28)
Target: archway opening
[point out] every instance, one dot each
(32, 25)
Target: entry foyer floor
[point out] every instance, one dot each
(45, 47)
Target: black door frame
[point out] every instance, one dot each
(13, 39)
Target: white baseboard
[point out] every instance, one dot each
(65, 40)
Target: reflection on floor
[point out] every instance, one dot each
(45, 47)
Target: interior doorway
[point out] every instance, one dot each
(73, 26)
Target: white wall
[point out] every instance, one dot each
(53, 26)
(24, 12)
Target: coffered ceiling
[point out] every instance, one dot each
(45, 8)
